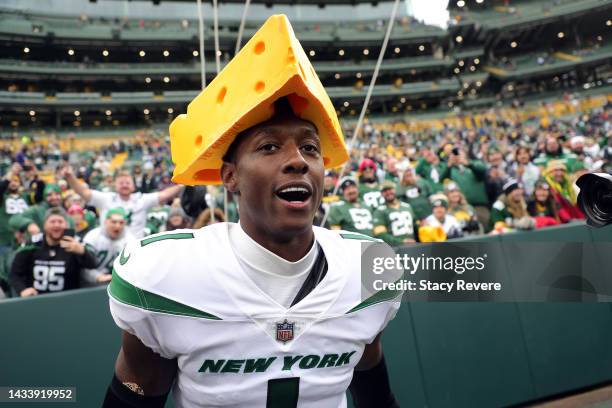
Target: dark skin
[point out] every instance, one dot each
(271, 156)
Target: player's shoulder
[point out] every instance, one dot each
(341, 237)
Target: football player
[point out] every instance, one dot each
(268, 312)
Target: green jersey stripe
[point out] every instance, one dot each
(359, 237)
(378, 297)
(127, 293)
(180, 235)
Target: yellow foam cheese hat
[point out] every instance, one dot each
(271, 65)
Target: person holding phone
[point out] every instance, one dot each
(51, 262)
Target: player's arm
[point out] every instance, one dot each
(370, 386)
(142, 377)
(169, 193)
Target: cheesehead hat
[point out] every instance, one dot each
(271, 65)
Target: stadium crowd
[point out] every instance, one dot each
(66, 215)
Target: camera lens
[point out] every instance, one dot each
(595, 198)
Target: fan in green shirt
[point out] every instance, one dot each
(11, 203)
(369, 190)
(415, 191)
(394, 221)
(351, 214)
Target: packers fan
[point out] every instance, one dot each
(267, 312)
(351, 214)
(394, 221)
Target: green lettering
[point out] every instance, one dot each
(211, 365)
(328, 360)
(310, 361)
(260, 365)
(232, 366)
(345, 358)
(290, 361)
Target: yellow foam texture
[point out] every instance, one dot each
(271, 65)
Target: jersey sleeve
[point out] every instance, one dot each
(150, 200)
(128, 302)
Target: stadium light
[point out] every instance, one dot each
(561, 34)
(510, 87)
(450, 104)
(599, 38)
(142, 53)
(472, 68)
(341, 52)
(459, 39)
(166, 79)
(146, 111)
(476, 61)
(478, 83)
(170, 110)
(312, 53)
(460, 3)
(513, 44)
(195, 53)
(166, 53)
(77, 113)
(456, 70)
(479, 1)
(219, 53)
(366, 51)
(26, 50)
(108, 112)
(358, 75)
(105, 53)
(32, 113)
(70, 51)
(337, 76)
(346, 104)
(403, 100)
(461, 63)
(609, 23)
(148, 80)
(421, 47)
(397, 50)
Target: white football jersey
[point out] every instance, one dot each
(105, 249)
(136, 207)
(184, 295)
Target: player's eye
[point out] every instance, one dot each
(268, 147)
(311, 148)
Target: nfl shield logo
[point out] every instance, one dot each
(284, 331)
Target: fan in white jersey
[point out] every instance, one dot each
(106, 241)
(268, 312)
(135, 204)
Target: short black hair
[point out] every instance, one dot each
(282, 108)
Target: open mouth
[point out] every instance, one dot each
(294, 194)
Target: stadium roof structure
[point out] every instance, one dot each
(320, 3)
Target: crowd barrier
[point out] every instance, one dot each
(438, 354)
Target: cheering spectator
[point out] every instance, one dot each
(523, 170)
(431, 169)
(51, 262)
(459, 208)
(369, 191)
(351, 214)
(35, 215)
(81, 226)
(415, 191)
(470, 177)
(135, 204)
(554, 151)
(177, 219)
(11, 203)
(394, 221)
(105, 242)
(440, 218)
(562, 191)
(510, 209)
(543, 207)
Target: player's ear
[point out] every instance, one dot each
(229, 176)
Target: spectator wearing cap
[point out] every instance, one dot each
(542, 206)
(415, 191)
(562, 191)
(135, 204)
(394, 222)
(106, 242)
(177, 219)
(470, 176)
(582, 157)
(81, 226)
(369, 190)
(35, 215)
(439, 218)
(510, 209)
(431, 169)
(459, 208)
(350, 214)
(12, 202)
(523, 170)
(51, 262)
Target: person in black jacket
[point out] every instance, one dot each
(52, 262)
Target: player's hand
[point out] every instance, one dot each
(72, 245)
(33, 229)
(28, 292)
(104, 278)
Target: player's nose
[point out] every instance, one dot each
(295, 162)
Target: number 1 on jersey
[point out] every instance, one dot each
(283, 392)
